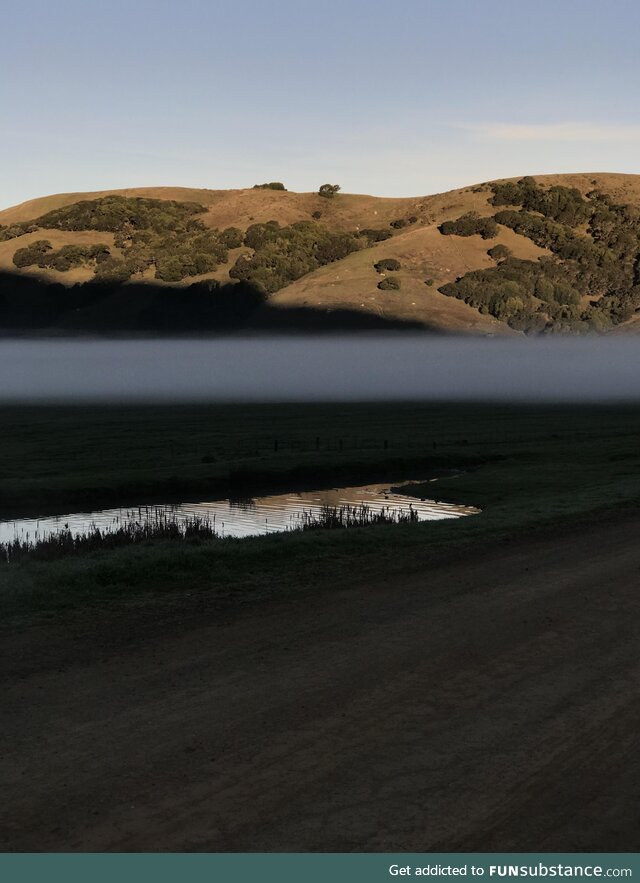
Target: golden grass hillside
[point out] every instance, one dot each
(428, 259)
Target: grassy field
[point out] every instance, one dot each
(528, 468)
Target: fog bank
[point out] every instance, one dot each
(330, 368)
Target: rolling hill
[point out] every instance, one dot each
(567, 258)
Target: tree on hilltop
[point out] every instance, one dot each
(328, 190)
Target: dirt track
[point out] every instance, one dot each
(484, 705)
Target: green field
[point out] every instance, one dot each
(528, 468)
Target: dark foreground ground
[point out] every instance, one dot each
(486, 704)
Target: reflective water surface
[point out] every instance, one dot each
(242, 518)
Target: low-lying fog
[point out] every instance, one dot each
(321, 368)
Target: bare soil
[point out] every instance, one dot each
(490, 703)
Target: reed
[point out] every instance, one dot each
(145, 525)
(150, 524)
(337, 517)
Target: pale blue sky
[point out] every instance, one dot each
(392, 98)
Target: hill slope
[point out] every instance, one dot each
(306, 252)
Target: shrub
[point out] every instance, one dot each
(390, 283)
(373, 235)
(232, 237)
(604, 266)
(565, 294)
(272, 185)
(387, 264)
(544, 289)
(412, 219)
(563, 204)
(335, 246)
(203, 263)
(283, 254)
(506, 292)
(66, 257)
(257, 235)
(116, 213)
(470, 225)
(166, 233)
(112, 270)
(544, 232)
(170, 268)
(32, 254)
(535, 296)
(499, 252)
(12, 231)
(99, 253)
(429, 282)
(188, 255)
(597, 320)
(328, 190)
(316, 215)
(398, 224)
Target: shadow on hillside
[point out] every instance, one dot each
(32, 305)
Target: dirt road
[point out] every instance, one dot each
(489, 704)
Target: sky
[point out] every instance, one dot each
(393, 99)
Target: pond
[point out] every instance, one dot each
(249, 517)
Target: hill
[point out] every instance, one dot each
(556, 253)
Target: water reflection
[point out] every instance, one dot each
(245, 517)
